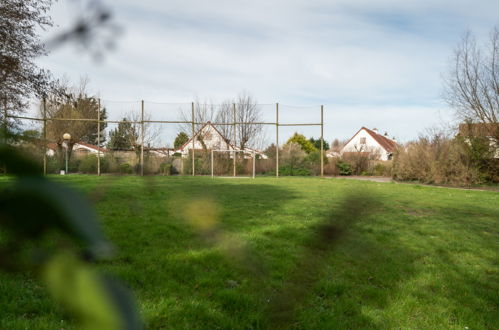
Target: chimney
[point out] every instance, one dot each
(375, 130)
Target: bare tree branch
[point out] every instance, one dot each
(472, 83)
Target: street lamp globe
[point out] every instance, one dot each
(66, 136)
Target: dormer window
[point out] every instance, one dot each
(362, 140)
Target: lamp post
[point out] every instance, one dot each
(66, 137)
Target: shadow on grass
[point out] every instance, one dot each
(284, 304)
(185, 282)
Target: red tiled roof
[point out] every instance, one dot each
(91, 146)
(387, 144)
(54, 146)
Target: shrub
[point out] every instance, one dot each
(292, 159)
(331, 167)
(125, 168)
(165, 169)
(382, 168)
(344, 168)
(88, 164)
(359, 162)
(289, 170)
(437, 159)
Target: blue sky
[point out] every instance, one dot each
(371, 63)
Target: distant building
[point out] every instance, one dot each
(370, 142)
(208, 137)
(79, 148)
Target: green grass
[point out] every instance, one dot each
(289, 253)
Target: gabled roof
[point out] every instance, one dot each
(91, 146)
(199, 131)
(388, 144)
(54, 146)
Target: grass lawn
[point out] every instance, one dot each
(289, 253)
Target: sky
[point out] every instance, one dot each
(370, 63)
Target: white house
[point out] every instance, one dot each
(79, 147)
(208, 137)
(371, 142)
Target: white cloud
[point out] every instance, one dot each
(376, 63)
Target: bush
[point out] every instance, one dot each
(382, 168)
(165, 169)
(289, 170)
(331, 167)
(125, 168)
(344, 168)
(88, 164)
(359, 162)
(438, 159)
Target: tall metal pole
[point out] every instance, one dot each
(44, 136)
(234, 137)
(98, 137)
(277, 140)
(142, 139)
(193, 167)
(212, 175)
(254, 165)
(67, 147)
(5, 125)
(5, 121)
(322, 141)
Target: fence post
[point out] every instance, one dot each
(193, 164)
(234, 137)
(44, 105)
(277, 140)
(254, 163)
(322, 141)
(5, 122)
(5, 125)
(142, 139)
(98, 137)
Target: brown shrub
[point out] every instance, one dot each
(435, 159)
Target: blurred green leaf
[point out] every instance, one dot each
(51, 206)
(18, 164)
(98, 302)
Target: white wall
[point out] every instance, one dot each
(371, 145)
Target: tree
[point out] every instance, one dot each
(225, 115)
(472, 83)
(317, 143)
(72, 102)
(302, 141)
(92, 137)
(20, 77)
(124, 137)
(180, 140)
(248, 116)
(69, 102)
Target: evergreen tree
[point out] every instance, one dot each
(180, 140)
(123, 137)
(317, 143)
(301, 140)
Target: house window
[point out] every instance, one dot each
(362, 140)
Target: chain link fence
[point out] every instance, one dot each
(148, 138)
